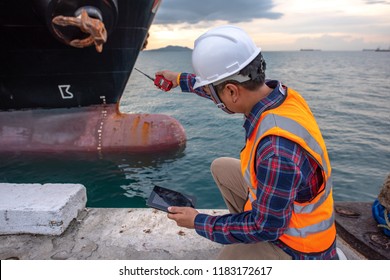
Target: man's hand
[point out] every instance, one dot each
(183, 216)
(170, 76)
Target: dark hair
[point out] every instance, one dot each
(255, 69)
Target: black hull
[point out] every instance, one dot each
(39, 71)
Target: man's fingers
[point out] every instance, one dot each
(174, 210)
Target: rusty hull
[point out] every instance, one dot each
(100, 128)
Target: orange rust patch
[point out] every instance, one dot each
(145, 132)
(135, 125)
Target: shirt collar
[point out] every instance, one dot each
(272, 100)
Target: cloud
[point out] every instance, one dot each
(186, 11)
(377, 2)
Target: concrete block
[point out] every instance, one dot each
(39, 209)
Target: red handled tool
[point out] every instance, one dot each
(159, 81)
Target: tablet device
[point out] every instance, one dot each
(161, 198)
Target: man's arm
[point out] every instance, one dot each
(184, 80)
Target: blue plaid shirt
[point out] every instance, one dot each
(285, 173)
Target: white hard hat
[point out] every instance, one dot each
(220, 53)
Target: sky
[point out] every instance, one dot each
(277, 25)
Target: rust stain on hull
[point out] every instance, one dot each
(95, 128)
(145, 133)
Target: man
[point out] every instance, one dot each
(279, 193)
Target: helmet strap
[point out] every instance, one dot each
(217, 100)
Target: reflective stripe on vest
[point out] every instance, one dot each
(305, 231)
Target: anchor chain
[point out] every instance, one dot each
(92, 26)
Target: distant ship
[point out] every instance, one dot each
(382, 50)
(309, 50)
(377, 50)
(64, 65)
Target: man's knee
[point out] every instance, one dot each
(218, 165)
(215, 165)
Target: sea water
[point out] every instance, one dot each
(348, 92)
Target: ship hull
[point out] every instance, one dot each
(94, 129)
(55, 97)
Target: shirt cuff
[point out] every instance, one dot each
(200, 223)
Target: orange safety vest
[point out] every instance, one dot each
(311, 228)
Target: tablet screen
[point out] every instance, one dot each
(161, 198)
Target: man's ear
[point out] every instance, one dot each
(232, 91)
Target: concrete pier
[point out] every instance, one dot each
(51, 222)
(115, 234)
(39, 209)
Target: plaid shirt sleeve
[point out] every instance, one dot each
(186, 82)
(278, 179)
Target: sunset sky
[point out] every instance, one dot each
(277, 24)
